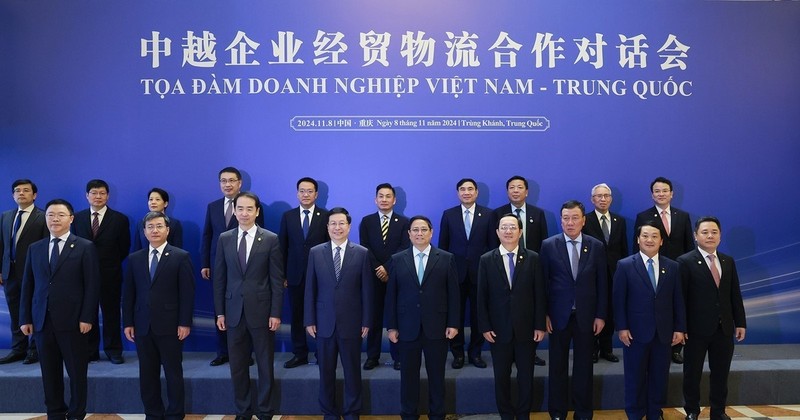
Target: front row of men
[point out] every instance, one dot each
(656, 300)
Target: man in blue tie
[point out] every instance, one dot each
(650, 318)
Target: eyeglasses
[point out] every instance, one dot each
(224, 181)
(306, 192)
(152, 228)
(603, 196)
(661, 191)
(21, 190)
(339, 224)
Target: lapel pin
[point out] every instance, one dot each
(317, 213)
(395, 219)
(585, 249)
(72, 245)
(166, 254)
(259, 239)
(530, 220)
(663, 271)
(479, 215)
(699, 263)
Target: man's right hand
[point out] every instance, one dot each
(205, 273)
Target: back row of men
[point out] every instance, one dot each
(578, 310)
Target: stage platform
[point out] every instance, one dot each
(761, 375)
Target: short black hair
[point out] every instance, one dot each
(60, 201)
(463, 181)
(97, 183)
(711, 219)
(308, 179)
(515, 178)
(420, 217)
(651, 223)
(662, 180)
(164, 195)
(340, 210)
(384, 185)
(232, 170)
(247, 194)
(24, 181)
(155, 215)
(519, 222)
(571, 204)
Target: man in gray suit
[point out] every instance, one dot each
(248, 294)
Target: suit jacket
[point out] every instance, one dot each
(617, 245)
(680, 239)
(214, 226)
(175, 237)
(35, 229)
(344, 306)
(296, 248)
(370, 236)
(113, 241)
(468, 251)
(647, 313)
(256, 291)
(161, 304)
(430, 307)
(535, 225)
(706, 305)
(512, 312)
(588, 293)
(70, 294)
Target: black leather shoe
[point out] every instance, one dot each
(722, 416)
(116, 359)
(677, 358)
(12, 357)
(370, 364)
(94, 357)
(595, 358)
(538, 361)
(219, 360)
(264, 417)
(691, 416)
(610, 357)
(31, 358)
(478, 362)
(556, 418)
(295, 362)
(458, 363)
(396, 365)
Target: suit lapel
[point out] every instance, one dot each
(107, 218)
(161, 262)
(408, 257)
(499, 264)
(62, 256)
(329, 259)
(642, 270)
(32, 218)
(561, 244)
(433, 259)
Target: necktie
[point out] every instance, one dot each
(228, 213)
(421, 267)
(384, 227)
(243, 252)
(54, 255)
(337, 264)
(153, 265)
(14, 231)
(714, 271)
(95, 224)
(305, 223)
(575, 261)
(510, 269)
(522, 237)
(467, 223)
(665, 221)
(604, 227)
(651, 272)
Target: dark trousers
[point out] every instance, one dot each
(646, 374)
(328, 351)
(241, 339)
(375, 335)
(719, 348)
(296, 297)
(504, 355)
(59, 350)
(12, 287)
(582, 371)
(110, 305)
(155, 351)
(410, 353)
(469, 290)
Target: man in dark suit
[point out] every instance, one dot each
(422, 313)
(220, 218)
(158, 200)
(534, 224)
(383, 234)
(608, 228)
(302, 228)
(574, 267)
(338, 312)
(157, 303)
(58, 305)
(676, 230)
(248, 296)
(511, 314)
(466, 232)
(20, 228)
(714, 317)
(109, 230)
(649, 312)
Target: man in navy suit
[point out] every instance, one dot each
(383, 233)
(714, 317)
(338, 312)
(466, 232)
(157, 304)
(302, 228)
(650, 317)
(676, 230)
(511, 314)
(20, 228)
(248, 296)
(109, 230)
(609, 228)
(220, 218)
(422, 313)
(534, 224)
(574, 267)
(58, 305)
